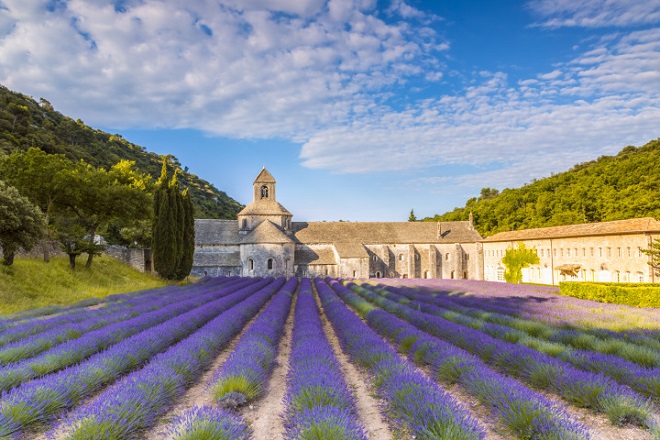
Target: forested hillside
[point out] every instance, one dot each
(610, 188)
(26, 123)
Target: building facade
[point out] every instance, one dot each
(605, 252)
(264, 241)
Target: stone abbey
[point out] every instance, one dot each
(264, 241)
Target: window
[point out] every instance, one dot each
(629, 254)
(600, 251)
(554, 251)
(561, 252)
(417, 257)
(584, 252)
(286, 264)
(576, 253)
(400, 257)
(270, 264)
(251, 263)
(500, 274)
(618, 250)
(354, 273)
(592, 252)
(264, 192)
(618, 276)
(467, 257)
(568, 252)
(447, 256)
(244, 224)
(609, 251)
(375, 258)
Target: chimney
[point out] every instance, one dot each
(439, 235)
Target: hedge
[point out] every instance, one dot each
(632, 294)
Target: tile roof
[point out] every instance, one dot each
(217, 259)
(351, 250)
(631, 226)
(265, 207)
(385, 232)
(264, 177)
(309, 256)
(212, 231)
(266, 232)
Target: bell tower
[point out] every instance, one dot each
(264, 206)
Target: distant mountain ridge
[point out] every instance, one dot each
(609, 188)
(26, 123)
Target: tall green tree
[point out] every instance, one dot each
(173, 227)
(516, 259)
(44, 179)
(100, 196)
(164, 228)
(654, 252)
(188, 242)
(412, 217)
(21, 223)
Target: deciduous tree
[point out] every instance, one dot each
(21, 223)
(516, 259)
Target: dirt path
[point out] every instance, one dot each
(264, 415)
(198, 394)
(367, 405)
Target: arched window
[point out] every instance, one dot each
(355, 274)
(244, 223)
(270, 264)
(264, 192)
(251, 263)
(378, 274)
(400, 257)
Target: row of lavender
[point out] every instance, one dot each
(590, 389)
(106, 357)
(31, 338)
(633, 363)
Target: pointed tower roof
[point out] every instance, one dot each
(266, 232)
(264, 177)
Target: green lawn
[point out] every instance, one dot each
(32, 283)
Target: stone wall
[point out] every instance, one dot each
(138, 258)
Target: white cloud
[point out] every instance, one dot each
(596, 13)
(604, 99)
(252, 68)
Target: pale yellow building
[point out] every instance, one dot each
(606, 252)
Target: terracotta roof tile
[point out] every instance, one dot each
(318, 255)
(385, 232)
(212, 231)
(266, 232)
(631, 226)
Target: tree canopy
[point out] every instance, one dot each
(609, 188)
(516, 259)
(21, 222)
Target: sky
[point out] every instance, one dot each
(361, 109)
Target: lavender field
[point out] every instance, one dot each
(253, 358)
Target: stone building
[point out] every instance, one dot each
(264, 241)
(608, 252)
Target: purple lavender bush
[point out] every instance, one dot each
(584, 389)
(208, 423)
(137, 401)
(243, 376)
(40, 399)
(318, 401)
(412, 400)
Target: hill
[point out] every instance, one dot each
(57, 284)
(26, 123)
(609, 188)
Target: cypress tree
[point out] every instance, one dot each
(164, 227)
(188, 249)
(176, 216)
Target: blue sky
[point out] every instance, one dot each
(361, 109)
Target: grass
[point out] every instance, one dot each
(31, 283)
